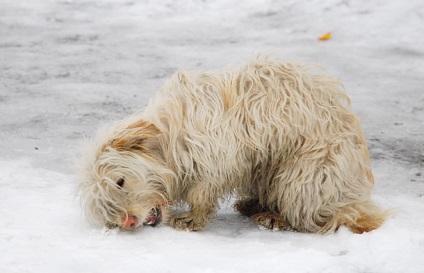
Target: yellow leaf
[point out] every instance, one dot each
(325, 37)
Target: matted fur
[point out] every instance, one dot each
(275, 135)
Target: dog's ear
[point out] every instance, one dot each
(141, 135)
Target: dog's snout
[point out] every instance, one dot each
(129, 222)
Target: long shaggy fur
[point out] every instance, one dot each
(275, 135)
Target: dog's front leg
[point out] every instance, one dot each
(203, 206)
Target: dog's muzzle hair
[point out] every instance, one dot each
(274, 135)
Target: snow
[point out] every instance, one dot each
(66, 67)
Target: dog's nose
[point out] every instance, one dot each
(129, 222)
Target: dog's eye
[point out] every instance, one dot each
(120, 183)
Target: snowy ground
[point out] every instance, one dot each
(68, 66)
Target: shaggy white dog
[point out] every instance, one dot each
(278, 137)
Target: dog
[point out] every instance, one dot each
(277, 136)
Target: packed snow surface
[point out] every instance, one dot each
(66, 67)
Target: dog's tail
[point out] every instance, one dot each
(358, 217)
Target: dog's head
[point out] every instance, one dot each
(124, 181)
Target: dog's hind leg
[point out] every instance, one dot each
(271, 220)
(260, 215)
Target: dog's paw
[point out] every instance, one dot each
(269, 220)
(188, 222)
